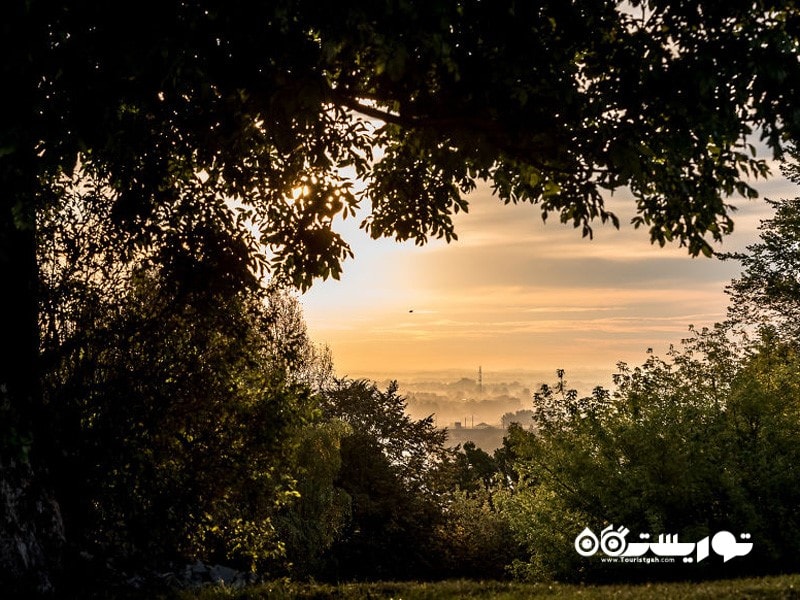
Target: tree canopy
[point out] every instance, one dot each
(553, 103)
(767, 293)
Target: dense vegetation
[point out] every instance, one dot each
(204, 425)
(160, 404)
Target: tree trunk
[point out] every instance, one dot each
(31, 532)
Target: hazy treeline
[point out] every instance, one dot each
(465, 401)
(497, 399)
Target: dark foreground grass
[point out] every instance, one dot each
(784, 586)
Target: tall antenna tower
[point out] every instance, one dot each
(480, 380)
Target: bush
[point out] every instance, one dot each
(705, 441)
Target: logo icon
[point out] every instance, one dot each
(586, 544)
(613, 544)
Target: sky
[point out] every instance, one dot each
(514, 293)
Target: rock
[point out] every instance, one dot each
(223, 574)
(198, 569)
(200, 574)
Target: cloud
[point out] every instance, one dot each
(513, 292)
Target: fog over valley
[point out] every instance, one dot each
(479, 406)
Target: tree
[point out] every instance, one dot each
(389, 469)
(767, 293)
(694, 444)
(172, 393)
(169, 393)
(319, 517)
(475, 468)
(475, 540)
(178, 423)
(271, 103)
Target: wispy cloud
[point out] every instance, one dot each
(514, 291)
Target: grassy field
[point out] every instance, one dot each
(785, 586)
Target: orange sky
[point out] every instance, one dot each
(514, 293)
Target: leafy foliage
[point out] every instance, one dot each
(319, 517)
(388, 470)
(767, 293)
(475, 467)
(475, 539)
(274, 104)
(168, 392)
(692, 445)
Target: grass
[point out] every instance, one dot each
(783, 586)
